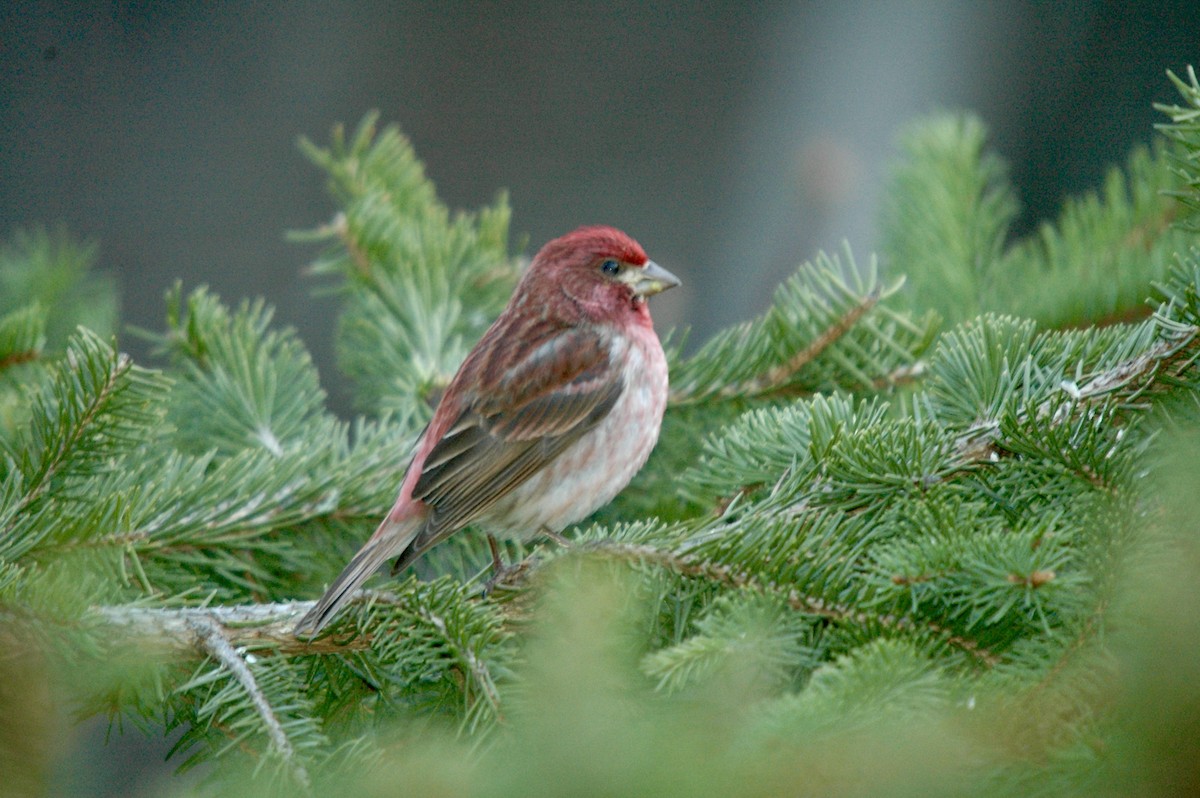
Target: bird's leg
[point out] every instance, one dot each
(497, 563)
(498, 566)
(557, 538)
(500, 571)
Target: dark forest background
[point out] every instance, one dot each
(733, 139)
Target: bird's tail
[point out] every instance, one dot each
(389, 539)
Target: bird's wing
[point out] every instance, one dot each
(545, 400)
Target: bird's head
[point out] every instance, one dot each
(602, 272)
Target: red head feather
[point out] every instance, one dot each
(596, 241)
(565, 280)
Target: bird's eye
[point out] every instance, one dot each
(610, 267)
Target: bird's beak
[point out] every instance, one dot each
(650, 279)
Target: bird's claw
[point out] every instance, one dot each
(507, 576)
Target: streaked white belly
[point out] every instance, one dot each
(598, 466)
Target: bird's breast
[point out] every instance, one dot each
(600, 464)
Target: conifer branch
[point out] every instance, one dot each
(902, 375)
(211, 638)
(55, 459)
(690, 566)
(17, 358)
(271, 626)
(341, 228)
(776, 377)
(1177, 349)
(945, 226)
(48, 274)
(267, 627)
(828, 328)
(22, 335)
(97, 406)
(478, 669)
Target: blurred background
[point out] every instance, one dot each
(733, 139)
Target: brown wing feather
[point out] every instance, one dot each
(494, 446)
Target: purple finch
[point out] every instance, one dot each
(548, 418)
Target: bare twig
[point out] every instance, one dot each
(17, 358)
(902, 375)
(257, 626)
(212, 639)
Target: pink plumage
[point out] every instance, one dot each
(548, 418)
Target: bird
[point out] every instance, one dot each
(550, 415)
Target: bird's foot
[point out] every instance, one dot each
(507, 576)
(502, 575)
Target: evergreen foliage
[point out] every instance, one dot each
(896, 539)
(947, 213)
